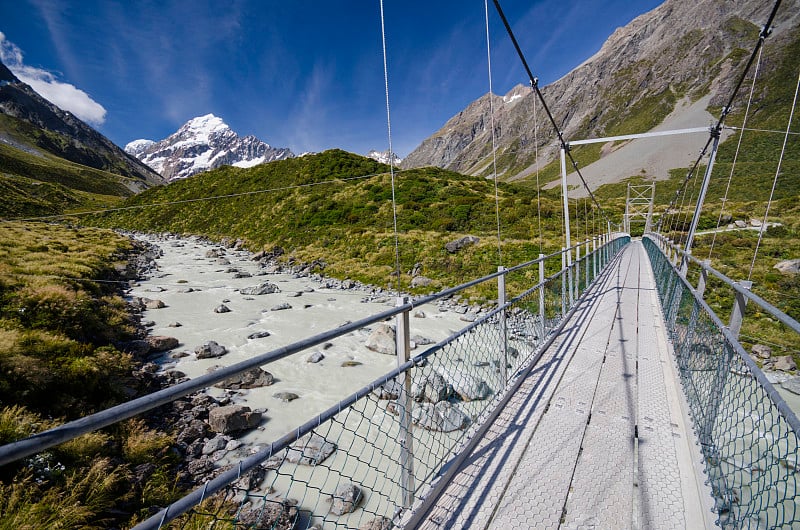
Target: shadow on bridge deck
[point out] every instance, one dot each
(596, 436)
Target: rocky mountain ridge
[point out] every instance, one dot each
(383, 157)
(676, 53)
(35, 125)
(203, 143)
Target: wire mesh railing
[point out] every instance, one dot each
(747, 433)
(376, 458)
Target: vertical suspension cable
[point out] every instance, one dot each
(494, 142)
(775, 180)
(391, 152)
(538, 192)
(736, 154)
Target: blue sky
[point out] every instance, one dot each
(302, 74)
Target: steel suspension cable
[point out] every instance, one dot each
(763, 227)
(494, 141)
(391, 152)
(538, 192)
(535, 84)
(736, 154)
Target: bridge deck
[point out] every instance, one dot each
(565, 452)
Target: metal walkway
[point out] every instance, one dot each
(596, 436)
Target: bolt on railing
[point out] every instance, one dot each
(379, 455)
(748, 434)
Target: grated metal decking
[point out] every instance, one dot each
(564, 453)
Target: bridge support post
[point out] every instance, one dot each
(577, 271)
(563, 282)
(594, 257)
(542, 321)
(501, 302)
(701, 282)
(737, 314)
(406, 436)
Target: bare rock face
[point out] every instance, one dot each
(789, 266)
(232, 418)
(676, 44)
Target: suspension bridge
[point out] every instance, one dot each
(606, 395)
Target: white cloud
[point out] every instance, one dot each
(63, 95)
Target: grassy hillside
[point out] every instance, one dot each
(35, 182)
(58, 362)
(336, 206)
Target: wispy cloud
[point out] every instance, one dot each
(63, 95)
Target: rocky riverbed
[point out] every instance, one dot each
(208, 305)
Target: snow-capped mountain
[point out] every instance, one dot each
(203, 143)
(383, 157)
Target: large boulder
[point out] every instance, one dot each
(210, 350)
(432, 389)
(382, 340)
(789, 266)
(442, 416)
(454, 246)
(785, 363)
(420, 281)
(309, 450)
(159, 343)
(262, 288)
(272, 514)
(468, 387)
(253, 378)
(232, 418)
(346, 499)
(150, 303)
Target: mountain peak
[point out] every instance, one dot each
(383, 156)
(200, 144)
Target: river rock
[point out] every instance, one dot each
(215, 444)
(420, 281)
(272, 514)
(761, 351)
(789, 266)
(309, 450)
(419, 313)
(258, 335)
(253, 378)
(454, 246)
(442, 416)
(784, 362)
(379, 523)
(315, 357)
(346, 499)
(262, 288)
(150, 303)
(389, 390)
(159, 343)
(281, 307)
(232, 418)
(286, 397)
(468, 387)
(432, 389)
(222, 308)
(210, 350)
(382, 340)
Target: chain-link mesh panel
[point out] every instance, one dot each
(749, 448)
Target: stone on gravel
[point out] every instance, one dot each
(442, 416)
(382, 340)
(232, 418)
(346, 499)
(262, 288)
(210, 350)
